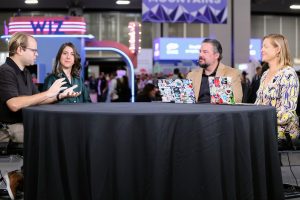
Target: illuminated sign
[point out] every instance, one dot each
(188, 48)
(135, 33)
(177, 48)
(47, 25)
(255, 49)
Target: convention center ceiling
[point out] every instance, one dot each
(257, 6)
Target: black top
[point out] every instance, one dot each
(204, 94)
(13, 83)
(142, 97)
(253, 89)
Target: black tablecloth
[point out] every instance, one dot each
(153, 151)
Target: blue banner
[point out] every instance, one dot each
(189, 11)
(255, 49)
(188, 49)
(177, 48)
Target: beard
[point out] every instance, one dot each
(204, 65)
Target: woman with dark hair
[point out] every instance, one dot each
(148, 94)
(67, 65)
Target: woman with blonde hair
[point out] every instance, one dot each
(279, 86)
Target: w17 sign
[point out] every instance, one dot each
(188, 11)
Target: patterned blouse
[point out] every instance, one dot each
(282, 93)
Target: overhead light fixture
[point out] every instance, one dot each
(122, 2)
(295, 6)
(31, 1)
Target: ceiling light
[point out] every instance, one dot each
(122, 2)
(295, 6)
(31, 1)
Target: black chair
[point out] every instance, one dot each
(15, 148)
(290, 190)
(3, 148)
(11, 148)
(287, 148)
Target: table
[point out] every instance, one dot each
(153, 151)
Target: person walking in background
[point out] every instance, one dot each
(177, 74)
(92, 88)
(101, 87)
(112, 94)
(279, 87)
(255, 84)
(123, 89)
(67, 65)
(245, 86)
(210, 57)
(17, 91)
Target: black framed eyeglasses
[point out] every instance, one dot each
(31, 49)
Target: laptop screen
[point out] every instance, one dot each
(176, 90)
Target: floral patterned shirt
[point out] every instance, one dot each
(282, 93)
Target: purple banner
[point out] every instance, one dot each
(189, 11)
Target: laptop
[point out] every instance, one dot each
(221, 90)
(176, 90)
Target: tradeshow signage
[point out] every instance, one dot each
(47, 25)
(177, 48)
(189, 11)
(188, 48)
(255, 49)
(135, 34)
(144, 62)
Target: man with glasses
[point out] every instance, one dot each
(17, 91)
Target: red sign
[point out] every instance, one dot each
(47, 25)
(134, 37)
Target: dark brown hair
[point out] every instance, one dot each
(76, 68)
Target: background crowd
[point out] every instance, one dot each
(119, 90)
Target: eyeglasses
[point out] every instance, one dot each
(35, 51)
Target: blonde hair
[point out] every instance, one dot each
(278, 40)
(17, 40)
